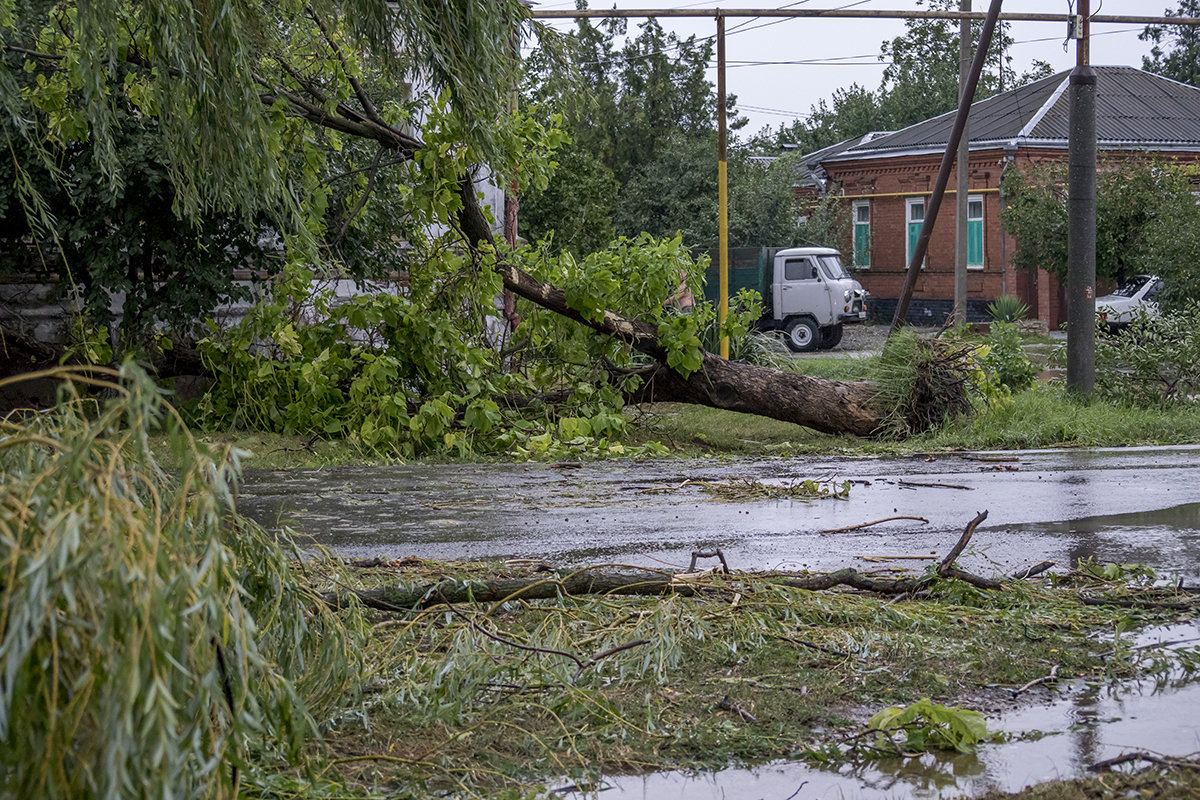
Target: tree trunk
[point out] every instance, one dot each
(823, 405)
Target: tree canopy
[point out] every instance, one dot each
(1175, 52)
(920, 80)
(1145, 212)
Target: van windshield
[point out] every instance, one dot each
(832, 267)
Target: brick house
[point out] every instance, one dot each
(887, 180)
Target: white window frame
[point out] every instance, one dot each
(982, 220)
(910, 244)
(855, 224)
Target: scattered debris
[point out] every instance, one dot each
(869, 524)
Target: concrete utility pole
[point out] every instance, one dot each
(1081, 236)
(961, 232)
(722, 186)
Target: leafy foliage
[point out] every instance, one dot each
(416, 371)
(928, 726)
(1154, 361)
(1007, 308)
(1004, 360)
(1176, 50)
(152, 642)
(1139, 202)
(121, 246)
(644, 153)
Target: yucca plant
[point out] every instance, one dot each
(153, 644)
(1007, 308)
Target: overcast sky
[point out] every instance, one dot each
(840, 52)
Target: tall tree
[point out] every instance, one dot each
(920, 81)
(246, 95)
(636, 111)
(921, 77)
(1176, 50)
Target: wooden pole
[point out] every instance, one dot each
(962, 201)
(943, 177)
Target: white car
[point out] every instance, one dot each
(1137, 294)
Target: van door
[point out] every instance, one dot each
(800, 289)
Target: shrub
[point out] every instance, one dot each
(1004, 358)
(153, 644)
(1153, 361)
(1007, 308)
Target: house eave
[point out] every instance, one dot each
(1017, 144)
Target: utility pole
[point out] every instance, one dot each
(1081, 235)
(722, 187)
(961, 232)
(943, 176)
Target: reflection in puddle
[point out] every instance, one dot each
(1050, 742)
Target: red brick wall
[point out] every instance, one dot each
(888, 182)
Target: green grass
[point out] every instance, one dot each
(468, 707)
(1046, 416)
(1158, 782)
(283, 451)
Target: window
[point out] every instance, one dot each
(975, 232)
(799, 269)
(916, 218)
(862, 233)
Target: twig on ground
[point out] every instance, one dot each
(1187, 762)
(1134, 602)
(728, 705)
(1036, 681)
(916, 485)
(869, 524)
(510, 643)
(947, 565)
(812, 646)
(612, 651)
(878, 559)
(1033, 569)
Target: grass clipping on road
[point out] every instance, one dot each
(153, 643)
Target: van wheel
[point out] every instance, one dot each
(802, 335)
(830, 337)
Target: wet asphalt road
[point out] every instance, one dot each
(1129, 505)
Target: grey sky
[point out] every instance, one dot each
(847, 51)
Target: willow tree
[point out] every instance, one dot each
(249, 99)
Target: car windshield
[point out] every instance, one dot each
(832, 267)
(1130, 287)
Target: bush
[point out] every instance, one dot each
(153, 644)
(1153, 361)
(1004, 361)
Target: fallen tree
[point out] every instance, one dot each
(654, 582)
(332, 94)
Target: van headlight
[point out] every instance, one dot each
(846, 294)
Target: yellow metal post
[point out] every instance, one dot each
(722, 187)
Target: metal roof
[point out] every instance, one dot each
(1134, 109)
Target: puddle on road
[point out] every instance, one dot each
(1087, 724)
(1167, 535)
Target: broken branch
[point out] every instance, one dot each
(869, 524)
